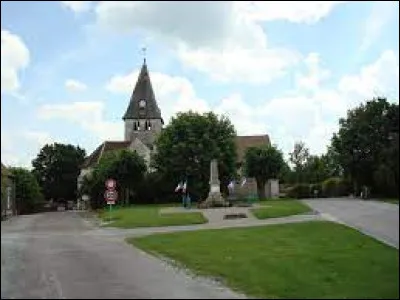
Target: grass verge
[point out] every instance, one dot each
(280, 208)
(148, 216)
(303, 260)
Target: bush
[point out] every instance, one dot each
(335, 187)
(299, 191)
(156, 188)
(316, 187)
(29, 198)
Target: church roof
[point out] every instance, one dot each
(107, 146)
(143, 91)
(245, 142)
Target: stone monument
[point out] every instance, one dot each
(214, 198)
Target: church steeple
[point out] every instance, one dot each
(143, 116)
(143, 104)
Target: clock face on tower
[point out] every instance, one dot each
(142, 103)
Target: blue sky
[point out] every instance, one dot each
(290, 70)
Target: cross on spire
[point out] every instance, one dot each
(144, 53)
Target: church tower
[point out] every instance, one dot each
(143, 116)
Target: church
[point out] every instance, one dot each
(143, 122)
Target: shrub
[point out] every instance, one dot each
(335, 187)
(316, 187)
(300, 191)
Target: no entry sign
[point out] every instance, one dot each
(111, 184)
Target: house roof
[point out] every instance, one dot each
(107, 146)
(143, 91)
(244, 142)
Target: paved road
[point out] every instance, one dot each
(377, 219)
(59, 255)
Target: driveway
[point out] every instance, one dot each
(377, 219)
(59, 255)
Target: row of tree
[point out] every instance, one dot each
(364, 152)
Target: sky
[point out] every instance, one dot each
(286, 69)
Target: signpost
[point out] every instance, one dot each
(111, 195)
(111, 184)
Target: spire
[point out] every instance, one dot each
(144, 54)
(143, 104)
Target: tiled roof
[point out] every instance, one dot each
(107, 146)
(244, 142)
(143, 90)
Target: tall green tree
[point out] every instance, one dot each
(263, 163)
(298, 157)
(124, 166)
(28, 195)
(187, 145)
(56, 168)
(363, 141)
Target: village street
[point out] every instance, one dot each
(59, 255)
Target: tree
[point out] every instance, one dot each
(298, 157)
(263, 163)
(126, 167)
(187, 145)
(27, 191)
(56, 168)
(363, 140)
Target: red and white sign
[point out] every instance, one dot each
(111, 196)
(111, 184)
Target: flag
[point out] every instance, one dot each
(178, 187)
(243, 182)
(184, 187)
(231, 185)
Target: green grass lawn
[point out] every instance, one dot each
(148, 216)
(303, 260)
(394, 201)
(280, 208)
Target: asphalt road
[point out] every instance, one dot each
(60, 256)
(377, 219)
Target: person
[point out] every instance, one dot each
(188, 200)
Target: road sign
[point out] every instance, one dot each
(111, 184)
(111, 196)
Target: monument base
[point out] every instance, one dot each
(214, 200)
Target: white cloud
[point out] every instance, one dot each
(242, 115)
(173, 93)
(382, 13)
(308, 12)
(14, 58)
(88, 115)
(221, 39)
(241, 65)
(78, 6)
(20, 147)
(75, 85)
(315, 76)
(380, 78)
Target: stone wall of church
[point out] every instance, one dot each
(147, 135)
